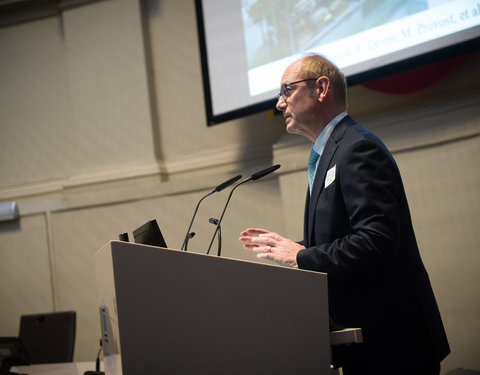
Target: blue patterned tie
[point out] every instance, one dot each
(312, 164)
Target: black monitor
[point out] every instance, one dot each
(149, 234)
(12, 353)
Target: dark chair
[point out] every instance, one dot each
(49, 337)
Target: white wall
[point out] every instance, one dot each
(103, 128)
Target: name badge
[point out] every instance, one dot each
(330, 176)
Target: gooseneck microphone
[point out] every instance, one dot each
(253, 177)
(263, 173)
(214, 221)
(220, 187)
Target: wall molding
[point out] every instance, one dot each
(208, 162)
(402, 132)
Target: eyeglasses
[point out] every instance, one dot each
(286, 91)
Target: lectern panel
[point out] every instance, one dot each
(187, 313)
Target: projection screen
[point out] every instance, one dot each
(245, 45)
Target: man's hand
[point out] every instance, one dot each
(271, 246)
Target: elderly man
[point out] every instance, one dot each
(357, 229)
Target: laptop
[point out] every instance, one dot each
(149, 234)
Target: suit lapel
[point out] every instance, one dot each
(323, 166)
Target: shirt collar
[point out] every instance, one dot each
(322, 139)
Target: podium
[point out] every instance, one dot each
(166, 311)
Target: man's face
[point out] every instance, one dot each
(298, 103)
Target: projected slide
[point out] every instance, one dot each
(247, 44)
(350, 33)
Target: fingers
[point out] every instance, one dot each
(265, 242)
(261, 249)
(271, 256)
(257, 249)
(249, 242)
(269, 245)
(249, 246)
(254, 232)
(260, 242)
(272, 235)
(253, 237)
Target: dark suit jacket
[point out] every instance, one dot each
(358, 230)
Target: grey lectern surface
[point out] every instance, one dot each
(172, 312)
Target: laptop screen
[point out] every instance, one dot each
(149, 234)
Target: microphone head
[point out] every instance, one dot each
(212, 220)
(227, 183)
(263, 173)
